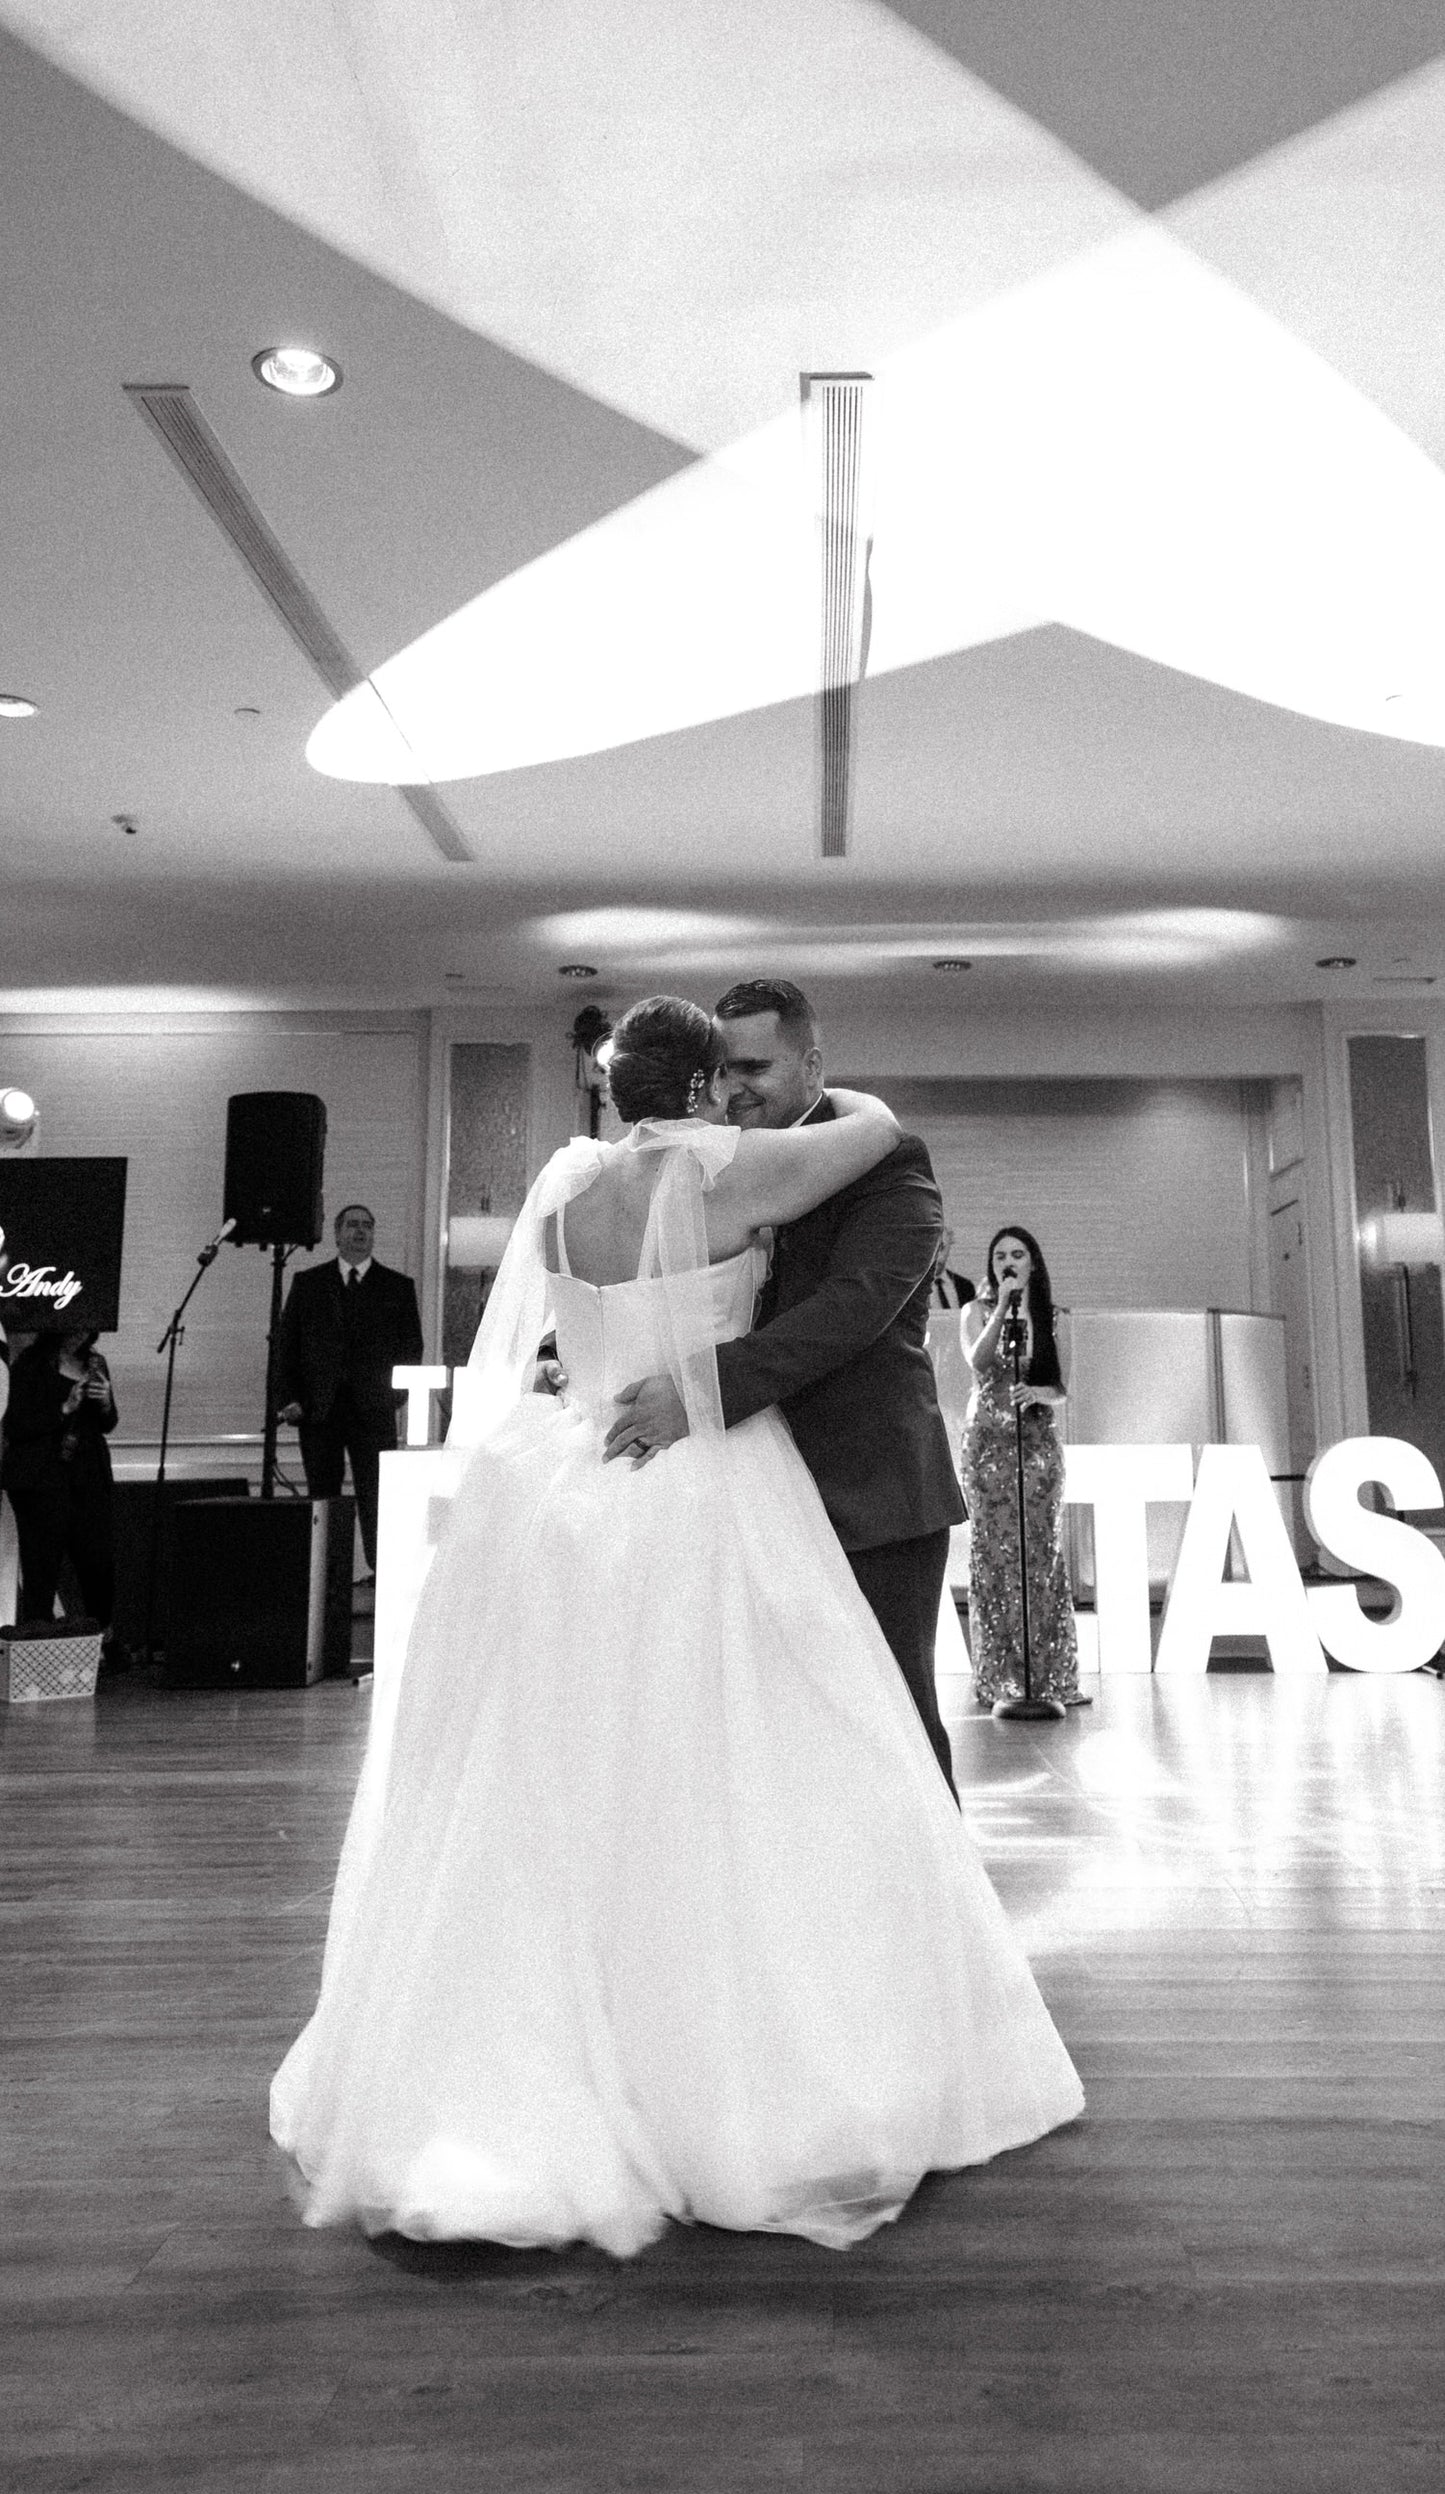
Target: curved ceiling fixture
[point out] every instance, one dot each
(644, 942)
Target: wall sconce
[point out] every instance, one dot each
(477, 1241)
(1393, 1242)
(19, 1122)
(1403, 1238)
(589, 1036)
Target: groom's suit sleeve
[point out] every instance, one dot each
(884, 1247)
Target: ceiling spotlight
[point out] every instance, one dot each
(1336, 961)
(15, 706)
(576, 970)
(953, 961)
(296, 371)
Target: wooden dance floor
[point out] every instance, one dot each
(1229, 2275)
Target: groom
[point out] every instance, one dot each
(839, 1344)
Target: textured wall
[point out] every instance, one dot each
(1138, 1192)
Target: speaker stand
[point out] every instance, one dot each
(279, 1255)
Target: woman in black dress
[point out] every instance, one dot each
(57, 1474)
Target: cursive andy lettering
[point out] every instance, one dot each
(39, 1281)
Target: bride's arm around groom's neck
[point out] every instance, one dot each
(779, 1175)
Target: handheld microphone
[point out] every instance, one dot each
(1013, 1333)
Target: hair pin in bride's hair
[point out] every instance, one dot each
(695, 1090)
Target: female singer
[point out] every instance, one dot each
(1017, 1279)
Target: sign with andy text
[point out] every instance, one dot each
(61, 1228)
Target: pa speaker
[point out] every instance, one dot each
(260, 1592)
(135, 1521)
(275, 1158)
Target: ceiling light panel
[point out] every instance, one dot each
(297, 371)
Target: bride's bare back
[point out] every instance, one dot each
(772, 1178)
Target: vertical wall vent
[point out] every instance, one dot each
(173, 416)
(835, 409)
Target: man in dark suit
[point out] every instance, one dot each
(950, 1290)
(839, 1345)
(346, 1326)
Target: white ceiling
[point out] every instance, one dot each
(564, 251)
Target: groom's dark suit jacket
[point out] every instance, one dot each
(839, 1347)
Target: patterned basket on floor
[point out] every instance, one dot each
(49, 1658)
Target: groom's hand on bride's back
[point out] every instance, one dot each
(651, 1416)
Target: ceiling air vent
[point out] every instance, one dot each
(834, 412)
(175, 419)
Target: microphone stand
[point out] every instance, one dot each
(170, 1343)
(1028, 1708)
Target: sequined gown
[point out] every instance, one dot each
(990, 1485)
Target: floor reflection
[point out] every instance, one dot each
(1235, 1800)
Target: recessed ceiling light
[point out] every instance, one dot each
(15, 706)
(1336, 961)
(952, 961)
(296, 371)
(576, 970)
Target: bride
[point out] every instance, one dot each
(653, 1903)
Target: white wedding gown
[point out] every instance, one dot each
(654, 1903)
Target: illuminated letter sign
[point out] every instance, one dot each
(419, 1385)
(1119, 1483)
(1233, 1493)
(1378, 1545)
(1231, 1496)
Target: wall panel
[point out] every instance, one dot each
(1138, 1192)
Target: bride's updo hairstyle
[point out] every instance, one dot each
(658, 1048)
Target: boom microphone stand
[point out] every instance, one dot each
(1028, 1708)
(170, 1342)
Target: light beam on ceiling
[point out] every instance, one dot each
(1128, 446)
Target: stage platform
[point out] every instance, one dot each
(1228, 2276)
